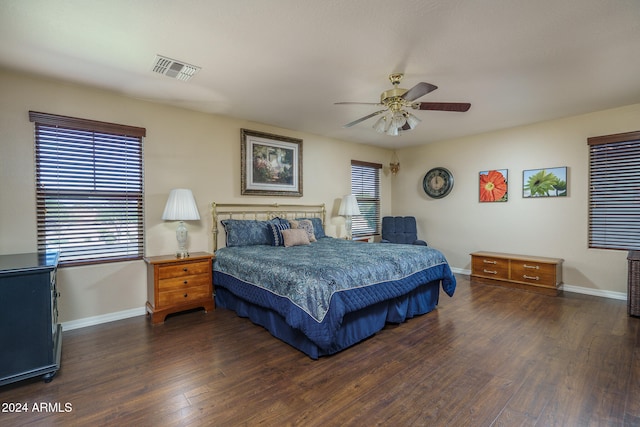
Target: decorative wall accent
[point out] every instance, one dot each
(494, 186)
(548, 182)
(271, 165)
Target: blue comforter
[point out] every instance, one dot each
(314, 286)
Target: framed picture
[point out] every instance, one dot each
(494, 186)
(548, 182)
(271, 165)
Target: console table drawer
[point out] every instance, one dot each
(541, 274)
(495, 268)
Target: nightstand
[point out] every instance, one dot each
(178, 284)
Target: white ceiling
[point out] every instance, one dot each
(285, 62)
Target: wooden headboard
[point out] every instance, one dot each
(259, 211)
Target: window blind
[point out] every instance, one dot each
(89, 189)
(365, 185)
(614, 191)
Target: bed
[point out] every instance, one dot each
(319, 294)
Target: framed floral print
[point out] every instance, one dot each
(549, 182)
(271, 165)
(494, 186)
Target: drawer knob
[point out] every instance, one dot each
(185, 269)
(531, 277)
(533, 267)
(186, 295)
(489, 271)
(185, 282)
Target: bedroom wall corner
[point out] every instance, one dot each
(557, 227)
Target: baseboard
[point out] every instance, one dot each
(141, 311)
(103, 318)
(571, 288)
(595, 292)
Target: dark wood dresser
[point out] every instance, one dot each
(30, 336)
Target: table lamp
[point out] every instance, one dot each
(181, 206)
(349, 208)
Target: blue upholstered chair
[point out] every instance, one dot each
(400, 229)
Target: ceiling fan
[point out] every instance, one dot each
(396, 118)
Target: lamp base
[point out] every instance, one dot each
(181, 236)
(347, 223)
(182, 254)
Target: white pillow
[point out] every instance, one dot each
(295, 237)
(306, 225)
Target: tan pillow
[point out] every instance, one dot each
(295, 237)
(306, 225)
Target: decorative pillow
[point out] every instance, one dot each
(318, 230)
(242, 232)
(305, 225)
(295, 237)
(275, 233)
(279, 220)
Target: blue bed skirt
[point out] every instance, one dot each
(356, 326)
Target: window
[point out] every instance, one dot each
(89, 189)
(614, 191)
(365, 185)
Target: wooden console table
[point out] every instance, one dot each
(538, 274)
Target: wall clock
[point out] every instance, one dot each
(438, 182)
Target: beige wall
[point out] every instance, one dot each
(202, 152)
(555, 227)
(182, 149)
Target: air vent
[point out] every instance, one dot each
(174, 69)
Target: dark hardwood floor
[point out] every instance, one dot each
(489, 356)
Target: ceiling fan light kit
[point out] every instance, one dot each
(396, 118)
(393, 123)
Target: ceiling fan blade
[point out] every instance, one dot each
(418, 90)
(362, 119)
(356, 103)
(442, 106)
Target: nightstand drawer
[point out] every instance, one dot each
(185, 295)
(183, 282)
(184, 269)
(496, 268)
(535, 273)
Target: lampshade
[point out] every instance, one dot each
(381, 125)
(349, 206)
(412, 120)
(181, 206)
(393, 131)
(398, 120)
